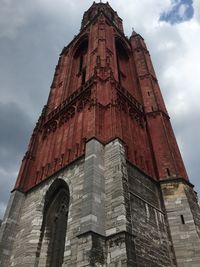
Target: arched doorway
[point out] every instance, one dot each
(54, 226)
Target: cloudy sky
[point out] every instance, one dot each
(33, 33)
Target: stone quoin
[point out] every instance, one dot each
(103, 182)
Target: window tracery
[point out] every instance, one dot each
(54, 225)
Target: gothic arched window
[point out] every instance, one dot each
(79, 64)
(80, 55)
(122, 60)
(54, 226)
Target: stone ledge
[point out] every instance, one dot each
(106, 237)
(175, 180)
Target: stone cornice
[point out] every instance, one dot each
(66, 103)
(156, 113)
(175, 180)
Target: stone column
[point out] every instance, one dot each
(120, 241)
(91, 243)
(93, 213)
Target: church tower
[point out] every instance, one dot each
(102, 182)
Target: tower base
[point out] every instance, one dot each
(183, 213)
(115, 216)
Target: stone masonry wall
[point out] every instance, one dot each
(120, 241)
(183, 214)
(96, 185)
(28, 232)
(149, 225)
(8, 227)
(116, 216)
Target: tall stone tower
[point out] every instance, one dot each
(102, 182)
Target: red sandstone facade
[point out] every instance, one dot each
(104, 87)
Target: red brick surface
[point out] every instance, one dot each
(119, 97)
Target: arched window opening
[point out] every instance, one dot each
(81, 63)
(83, 77)
(54, 226)
(121, 50)
(82, 48)
(118, 68)
(80, 56)
(122, 60)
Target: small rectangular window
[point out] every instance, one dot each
(81, 63)
(83, 77)
(182, 219)
(168, 172)
(135, 152)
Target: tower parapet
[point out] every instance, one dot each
(105, 8)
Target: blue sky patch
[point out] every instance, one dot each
(179, 11)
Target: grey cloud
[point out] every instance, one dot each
(187, 130)
(13, 15)
(29, 50)
(29, 58)
(6, 185)
(16, 128)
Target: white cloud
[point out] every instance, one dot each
(196, 4)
